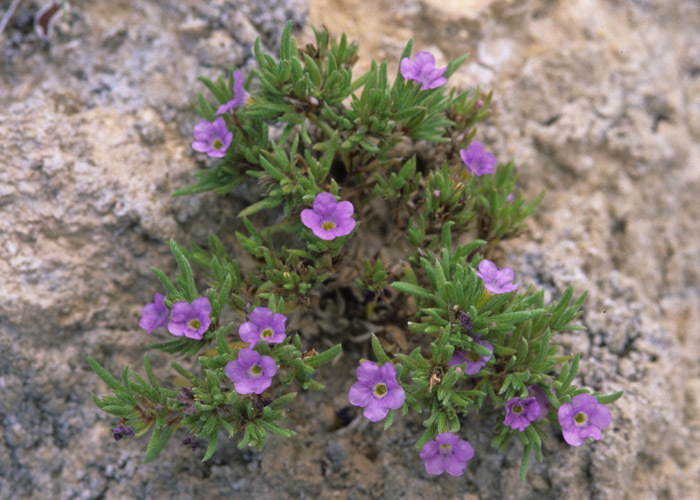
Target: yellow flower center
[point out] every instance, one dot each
(255, 370)
(473, 356)
(445, 449)
(517, 409)
(217, 144)
(580, 418)
(328, 225)
(267, 332)
(380, 390)
(195, 324)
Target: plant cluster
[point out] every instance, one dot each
(320, 144)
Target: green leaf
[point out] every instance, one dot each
(379, 351)
(211, 447)
(283, 400)
(323, 357)
(112, 382)
(276, 429)
(415, 290)
(172, 291)
(158, 439)
(610, 398)
(526, 459)
(185, 271)
(260, 205)
(216, 91)
(149, 371)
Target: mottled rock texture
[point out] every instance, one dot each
(598, 102)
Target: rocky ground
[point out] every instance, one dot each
(598, 103)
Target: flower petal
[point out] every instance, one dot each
(572, 437)
(590, 431)
(259, 384)
(600, 416)
(344, 209)
(433, 84)
(203, 131)
(226, 107)
(472, 368)
(430, 449)
(268, 365)
(248, 357)
(191, 333)
(368, 373)
(279, 323)
(394, 398)
(324, 202)
(487, 268)
(202, 305)
(463, 450)
(344, 227)
(374, 411)
(434, 465)
(566, 417)
(243, 386)
(424, 59)
(181, 312)
(409, 69)
(447, 438)
(177, 329)
(234, 370)
(201, 146)
(310, 219)
(360, 394)
(388, 372)
(454, 466)
(250, 333)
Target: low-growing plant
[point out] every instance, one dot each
(320, 144)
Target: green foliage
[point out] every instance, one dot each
(308, 126)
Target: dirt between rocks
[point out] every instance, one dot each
(597, 102)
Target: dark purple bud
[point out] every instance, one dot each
(190, 441)
(122, 431)
(186, 397)
(466, 322)
(263, 402)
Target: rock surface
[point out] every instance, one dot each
(598, 102)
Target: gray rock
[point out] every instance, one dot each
(597, 104)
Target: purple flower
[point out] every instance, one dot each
(583, 418)
(212, 138)
(520, 412)
(251, 372)
(191, 320)
(446, 453)
(154, 315)
(536, 392)
(476, 160)
(496, 281)
(475, 361)
(263, 325)
(329, 218)
(376, 390)
(239, 94)
(122, 431)
(422, 70)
